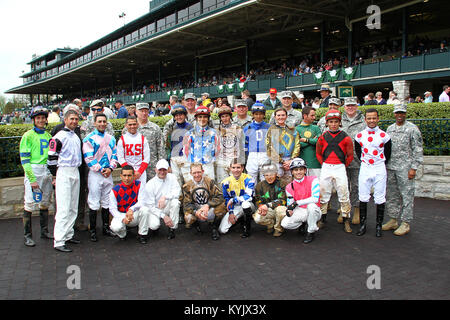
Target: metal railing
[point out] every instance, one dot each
(435, 134)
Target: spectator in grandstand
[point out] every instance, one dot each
(17, 119)
(122, 110)
(325, 94)
(428, 97)
(272, 102)
(54, 117)
(392, 97)
(444, 97)
(316, 103)
(245, 95)
(301, 101)
(379, 98)
(173, 100)
(371, 100)
(418, 99)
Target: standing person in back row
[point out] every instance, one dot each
(38, 180)
(373, 147)
(133, 150)
(153, 134)
(406, 157)
(64, 158)
(100, 154)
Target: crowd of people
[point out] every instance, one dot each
(218, 174)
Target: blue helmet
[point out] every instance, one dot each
(258, 107)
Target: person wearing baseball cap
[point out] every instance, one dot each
(162, 199)
(406, 158)
(242, 118)
(353, 123)
(190, 102)
(325, 95)
(334, 104)
(428, 97)
(272, 102)
(88, 126)
(294, 117)
(334, 151)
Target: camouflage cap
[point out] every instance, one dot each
(240, 102)
(142, 105)
(400, 107)
(190, 95)
(335, 101)
(286, 94)
(350, 100)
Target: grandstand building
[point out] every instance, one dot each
(204, 45)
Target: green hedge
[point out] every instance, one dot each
(437, 110)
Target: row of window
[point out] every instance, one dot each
(169, 21)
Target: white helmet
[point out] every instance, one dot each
(297, 163)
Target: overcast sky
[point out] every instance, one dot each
(38, 27)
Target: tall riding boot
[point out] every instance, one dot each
(28, 241)
(214, 229)
(43, 219)
(105, 220)
(362, 218)
(247, 220)
(380, 216)
(93, 224)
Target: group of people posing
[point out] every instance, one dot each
(198, 171)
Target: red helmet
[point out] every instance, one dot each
(333, 114)
(202, 110)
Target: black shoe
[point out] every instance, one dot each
(93, 237)
(74, 241)
(246, 221)
(107, 231)
(142, 239)
(28, 241)
(215, 234)
(197, 227)
(309, 238)
(46, 235)
(63, 249)
(379, 219)
(302, 229)
(362, 218)
(171, 234)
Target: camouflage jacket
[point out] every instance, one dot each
(154, 137)
(88, 126)
(407, 147)
(351, 128)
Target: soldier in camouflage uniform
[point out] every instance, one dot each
(88, 126)
(154, 137)
(406, 157)
(333, 104)
(352, 123)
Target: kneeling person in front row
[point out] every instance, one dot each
(162, 199)
(303, 200)
(238, 193)
(270, 198)
(202, 201)
(125, 205)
